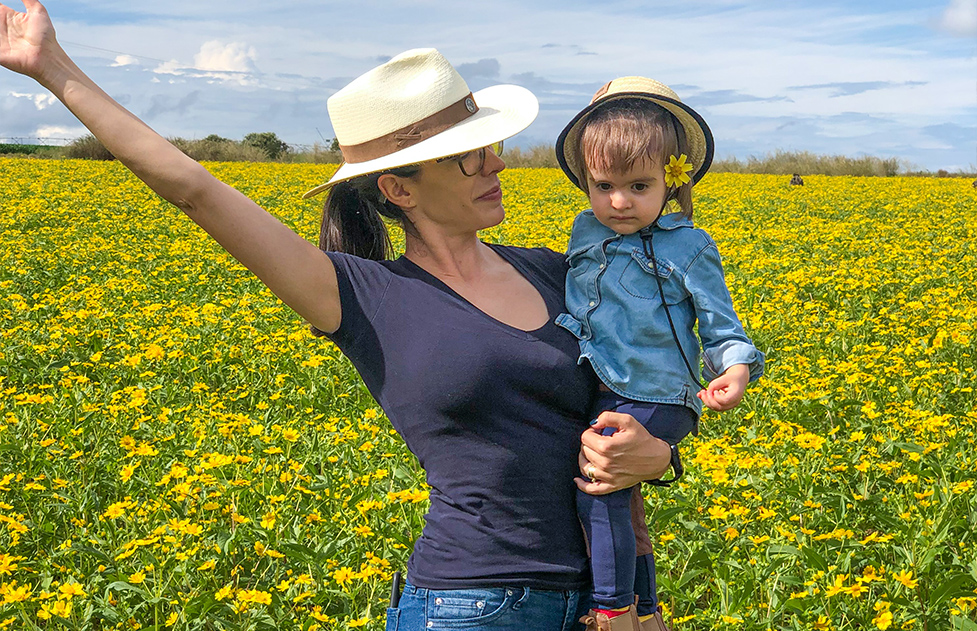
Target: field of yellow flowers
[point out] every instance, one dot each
(177, 451)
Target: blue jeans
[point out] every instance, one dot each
(494, 608)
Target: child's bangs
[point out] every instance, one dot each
(619, 137)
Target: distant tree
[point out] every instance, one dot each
(268, 142)
(216, 138)
(88, 147)
(335, 145)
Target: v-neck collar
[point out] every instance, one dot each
(422, 274)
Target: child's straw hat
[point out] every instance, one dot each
(698, 136)
(416, 108)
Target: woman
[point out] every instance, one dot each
(455, 339)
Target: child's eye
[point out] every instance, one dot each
(603, 186)
(640, 186)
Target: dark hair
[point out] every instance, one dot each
(623, 132)
(352, 217)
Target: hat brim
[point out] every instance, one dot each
(503, 112)
(697, 132)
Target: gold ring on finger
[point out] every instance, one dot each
(592, 472)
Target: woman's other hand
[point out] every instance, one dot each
(25, 37)
(726, 391)
(629, 456)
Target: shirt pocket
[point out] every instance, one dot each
(466, 608)
(639, 279)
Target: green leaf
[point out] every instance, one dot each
(814, 559)
(962, 624)
(783, 549)
(122, 586)
(952, 587)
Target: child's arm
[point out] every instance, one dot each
(726, 391)
(730, 360)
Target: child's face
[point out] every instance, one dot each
(627, 202)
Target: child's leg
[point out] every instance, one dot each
(645, 587)
(607, 521)
(670, 423)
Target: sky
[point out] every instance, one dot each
(887, 78)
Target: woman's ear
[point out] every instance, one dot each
(397, 190)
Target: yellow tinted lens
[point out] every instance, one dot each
(497, 148)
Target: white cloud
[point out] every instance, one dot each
(40, 101)
(231, 63)
(125, 60)
(233, 57)
(60, 132)
(960, 18)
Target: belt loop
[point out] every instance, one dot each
(522, 599)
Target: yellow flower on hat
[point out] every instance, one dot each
(676, 171)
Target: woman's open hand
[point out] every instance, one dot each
(630, 456)
(24, 37)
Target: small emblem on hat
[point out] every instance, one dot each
(470, 104)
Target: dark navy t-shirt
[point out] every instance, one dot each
(493, 413)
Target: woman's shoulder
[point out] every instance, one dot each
(539, 256)
(541, 262)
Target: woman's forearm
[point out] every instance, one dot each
(294, 269)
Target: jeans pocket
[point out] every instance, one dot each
(468, 608)
(393, 619)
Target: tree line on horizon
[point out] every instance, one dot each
(268, 147)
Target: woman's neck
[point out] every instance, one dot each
(459, 257)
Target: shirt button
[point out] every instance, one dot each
(601, 266)
(429, 624)
(480, 604)
(509, 591)
(438, 601)
(592, 303)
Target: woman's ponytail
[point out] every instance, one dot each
(352, 218)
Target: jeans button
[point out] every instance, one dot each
(438, 601)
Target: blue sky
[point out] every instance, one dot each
(887, 78)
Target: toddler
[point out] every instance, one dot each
(638, 283)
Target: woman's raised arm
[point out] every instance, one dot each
(293, 268)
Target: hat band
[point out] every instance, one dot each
(411, 134)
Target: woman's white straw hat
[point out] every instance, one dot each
(416, 108)
(698, 136)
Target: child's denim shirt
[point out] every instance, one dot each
(616, 312)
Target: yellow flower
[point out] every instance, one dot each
(70, 590)
(884, 618)
(343, 575)
(224, 592)
(906, 578)
(676, 171)
(138, 577)
(128, 470)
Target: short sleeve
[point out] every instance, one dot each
(362, 286)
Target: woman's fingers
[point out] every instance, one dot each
(22, 37)
(593, 488)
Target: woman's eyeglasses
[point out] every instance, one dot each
(471, 162)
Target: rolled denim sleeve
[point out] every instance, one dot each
(724, 342)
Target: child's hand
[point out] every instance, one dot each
(726, 391)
